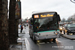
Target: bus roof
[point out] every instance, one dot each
(43, 12)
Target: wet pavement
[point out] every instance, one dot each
(21, 41)
(28, 44)
(70, 36)
(61, 44)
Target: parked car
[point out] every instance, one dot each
(69, 29)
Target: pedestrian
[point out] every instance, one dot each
(21, 28)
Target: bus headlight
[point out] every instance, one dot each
(38, 41)
(56, 33)
(60, 28)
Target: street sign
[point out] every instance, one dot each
(18, 10)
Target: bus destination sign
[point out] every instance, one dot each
(43, 15)
(47, 15)
(36, 16)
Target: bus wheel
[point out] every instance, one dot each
(67, 33)
(64, 32)
(34, 39)
(54, 40)
(45, 42)
(73, 33)
(31, 37)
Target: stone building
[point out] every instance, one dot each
(4, 42)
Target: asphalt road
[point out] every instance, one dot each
(61, 43)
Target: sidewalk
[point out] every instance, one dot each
(72, 37)
(20, 41)
(16, 46)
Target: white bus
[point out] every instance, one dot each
(44, 26)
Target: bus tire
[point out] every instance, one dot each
(73, 33)
(54, 40)
(34, 39)
(64, 32)
(31, 37)
(67, 33)
(45, 42)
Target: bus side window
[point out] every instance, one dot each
(58, 18)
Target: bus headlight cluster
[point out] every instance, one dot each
(60, 28)
(56, 33)
(38, 41)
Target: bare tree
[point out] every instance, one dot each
(4, 41)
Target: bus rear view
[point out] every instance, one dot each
(45, 26)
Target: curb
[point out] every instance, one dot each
(14, 47)
(68, 37)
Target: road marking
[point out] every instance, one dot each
(27, 41)
(27, 44)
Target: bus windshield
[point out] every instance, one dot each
(42, 24)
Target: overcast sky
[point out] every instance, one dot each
(65, 8)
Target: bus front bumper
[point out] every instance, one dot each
(45, 37)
